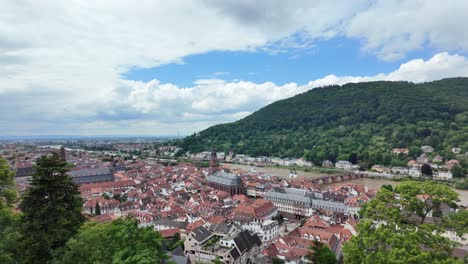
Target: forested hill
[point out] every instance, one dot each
(368, 119)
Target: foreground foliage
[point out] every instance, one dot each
(357, 122)
(51, 211)
(393, 227)
(120, 241)
(8, 219)
(321, 254)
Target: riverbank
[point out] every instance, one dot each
(372, 182)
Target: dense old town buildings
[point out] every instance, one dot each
(236, 216)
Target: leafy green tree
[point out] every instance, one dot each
(276, 260)
(457, 221)
(175, 242)
(386, 233)
(463, 184)
(120, 241)
(7, 184)
(51, 211)
(217, 261)
(353, 158)
(388, 187)
(457, 171)
(8, 219)
(426, 170)
(421, 198)
(321, 254)
(97, 209)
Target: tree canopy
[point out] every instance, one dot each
(392, 228)
(51, 210)
(367, 119)
(120, 241)
(321, 254)
(8, 219)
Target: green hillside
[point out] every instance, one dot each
(368, 119)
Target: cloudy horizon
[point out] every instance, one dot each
(168, 68)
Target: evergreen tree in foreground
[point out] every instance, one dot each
(98, 209)
(321, 254)
(51, 211)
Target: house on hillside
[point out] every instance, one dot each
(427, 149)
(456, 150)
(400, 151)
(344, 164)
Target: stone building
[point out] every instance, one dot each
(225, 181)
(222, 180)
(81, 176)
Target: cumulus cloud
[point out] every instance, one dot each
(441, 65)
(62, 62)
(393, 28)
(215, 101)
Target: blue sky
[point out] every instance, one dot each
(176, 67)
(339, 56)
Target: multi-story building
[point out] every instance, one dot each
(81, 176)
(299, 202)
(229, 245)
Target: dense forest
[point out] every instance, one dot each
(363, 119)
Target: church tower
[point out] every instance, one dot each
(62, 153)
(214, 164)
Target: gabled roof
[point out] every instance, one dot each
(234, 253)
(245, 241)
(201, 234)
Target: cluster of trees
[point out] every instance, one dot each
(393, 226)
(365, 120)
(50, 227)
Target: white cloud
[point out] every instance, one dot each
(62, 62)
(134, 107)
(441, 65)
(393, 28)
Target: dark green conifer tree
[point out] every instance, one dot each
(97, 209)
(51, 211)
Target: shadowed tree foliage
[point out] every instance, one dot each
(97, 209)
(392, 228)
(51, 211)
(426, 170)
(120, 241)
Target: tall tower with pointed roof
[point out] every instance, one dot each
(214, 164)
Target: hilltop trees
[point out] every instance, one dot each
(368, 119)
(392, 227)
(51, 211)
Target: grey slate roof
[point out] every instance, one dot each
(89, 172)
(171, 223)
(178, 256)
(26, 171)
(225, 178)
(222, 228)
(245, 241)
(234, 253)
(201, 233)
(292, 194)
